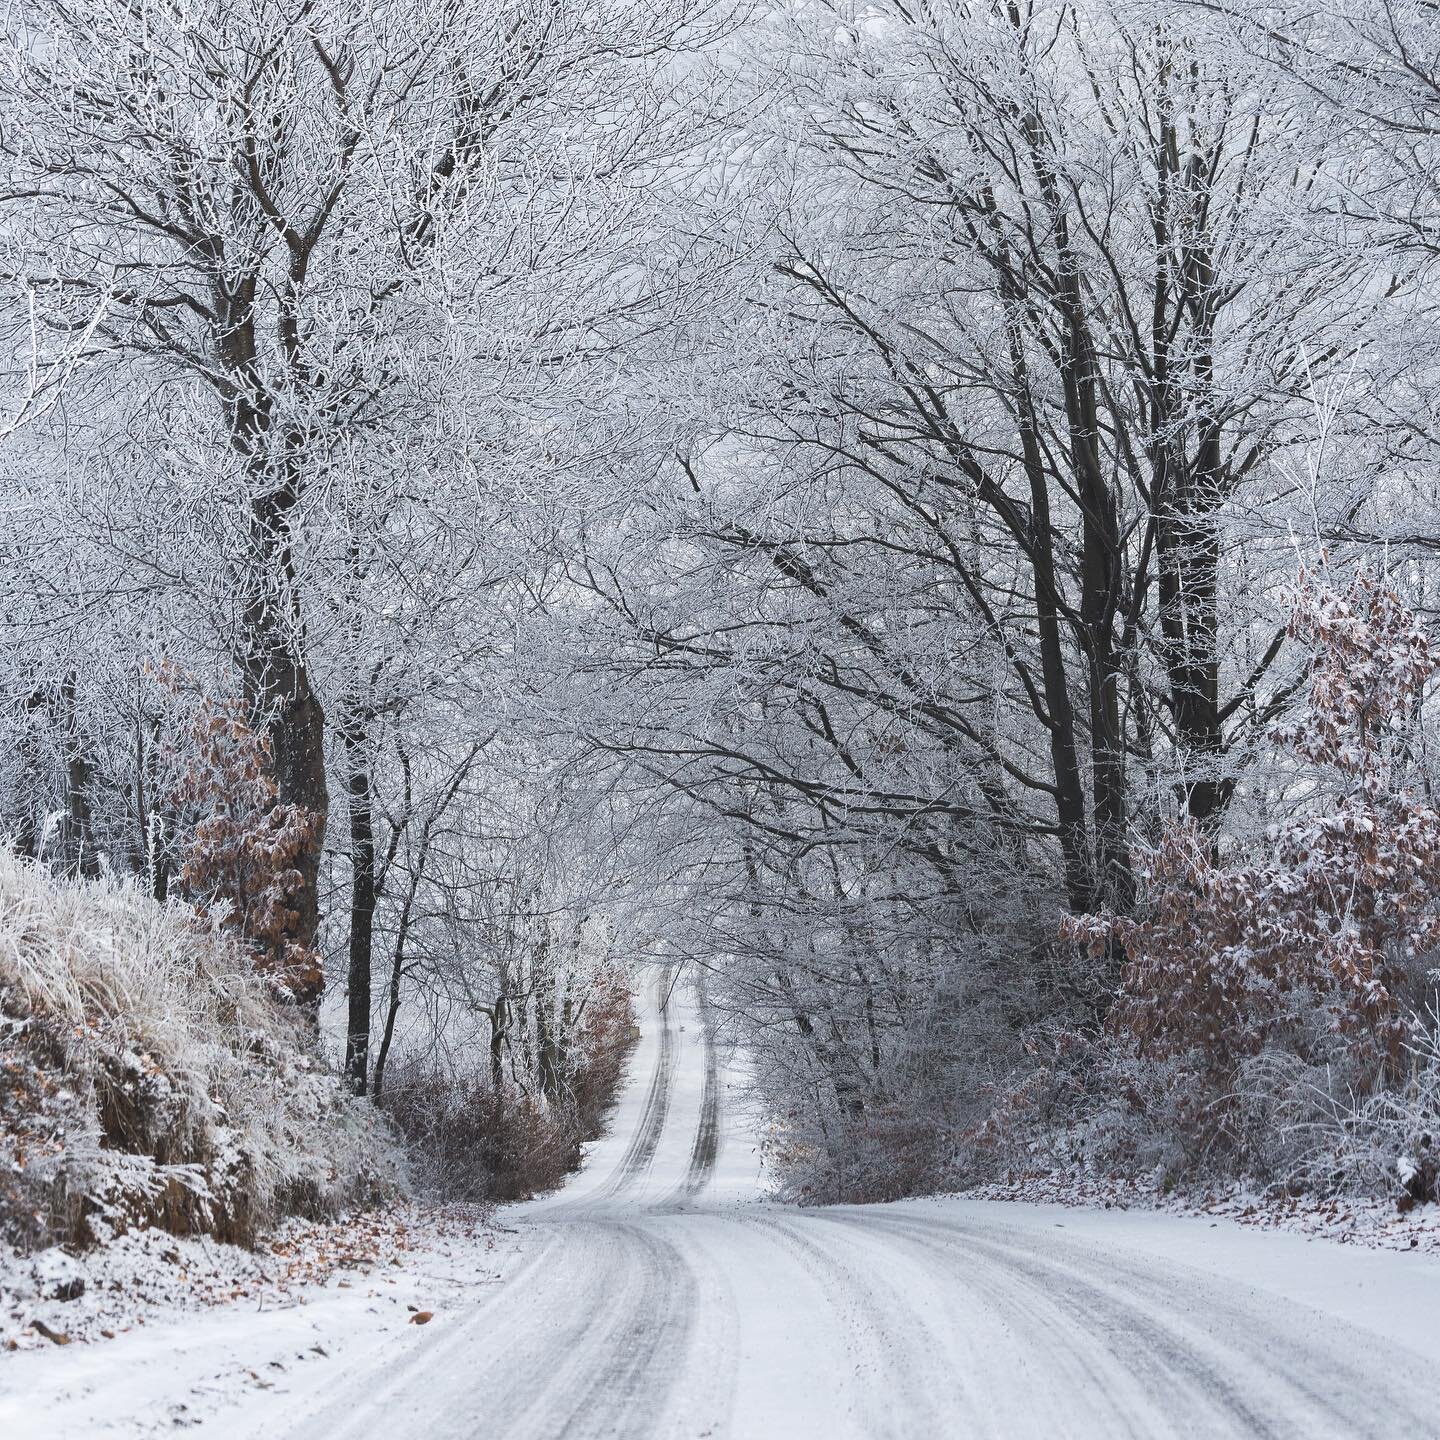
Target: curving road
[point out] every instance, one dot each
(660, 1295)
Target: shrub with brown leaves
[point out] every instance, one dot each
(1345, 899)
(470, 1140)
(244, 851)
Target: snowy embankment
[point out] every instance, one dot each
(155, 1101)
(65, 1297)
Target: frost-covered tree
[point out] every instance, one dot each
(303, 300)
(961, 579)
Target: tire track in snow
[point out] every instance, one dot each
(641, 1150)
(335, 1412)
(1179, 1354)
(609, 1370)
(592, 1332)
(891, 1349)
(1324, 1380)
(1105, 1372)
(706, 1146)
(707, 1134)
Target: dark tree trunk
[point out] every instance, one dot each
(157, 842)
(1101, 564)
(499, 1028)
(278, 690)
(1186, 495)
(547, 1053)
(1189, 562)
(1101, 557)
(32, 787)
(1189, 559)
(279, 695)
(392, 1005)
(567, 1022)
(363, 893)
(140, 858)
(80, 855)
(1059, 710)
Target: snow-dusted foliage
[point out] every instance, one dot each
(1342, 902)
(151, 1079)
(242, 852)
(1264, 991)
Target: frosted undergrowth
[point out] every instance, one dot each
(148, 1079)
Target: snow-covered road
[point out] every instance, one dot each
(659, 1295)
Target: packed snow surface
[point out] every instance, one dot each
(661, 1295)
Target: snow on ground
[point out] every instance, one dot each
(332, 1298)
(660, 1295)
(1389, 1297)
(145, 1275)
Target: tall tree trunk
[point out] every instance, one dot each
(140, 856)
(499, 1028)
(159, 858)
(392, 1005)
(32, 784)
(547, 1053)
(1101, 559)
(280, 698)
(278, 690)
(363, 892)
(1189, 554)
(1101, 564)
(279, 695)
(1080, 889)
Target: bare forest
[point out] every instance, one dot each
(918, 517)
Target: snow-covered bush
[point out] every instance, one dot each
(880, 1100)
(1226, 958)
(1384, 1142)
(883, 1153)
(1093, 1103)
(1267, 1018)
(149, 1077)
(472, 1143)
